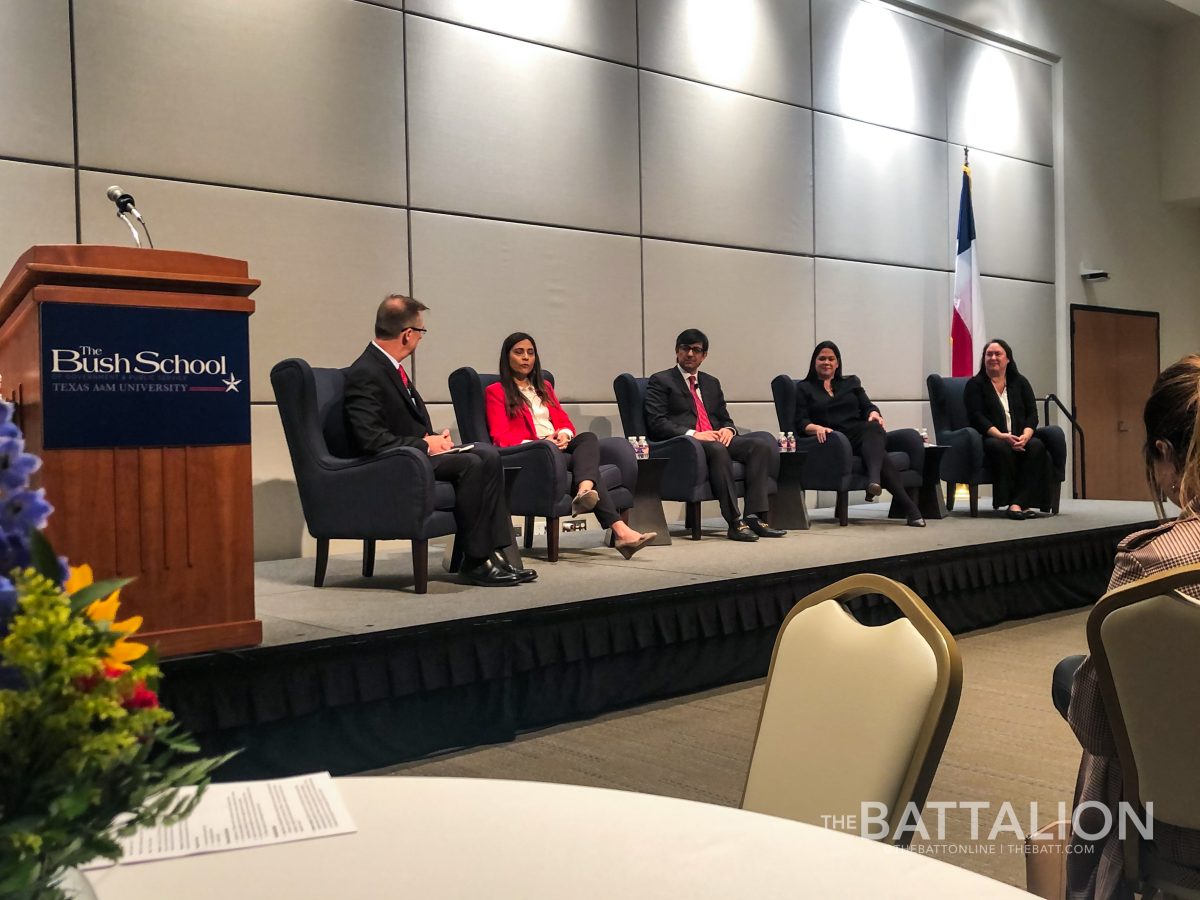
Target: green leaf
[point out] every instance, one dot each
(97, 590)
(43, 558)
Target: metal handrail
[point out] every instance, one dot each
(1081, 461)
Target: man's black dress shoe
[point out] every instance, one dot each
(741, 532)
(501, 562)
(915, 522)
(486, 573)
(762, 529)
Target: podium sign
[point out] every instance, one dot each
(129, 370)
(143, 377)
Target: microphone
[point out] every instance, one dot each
(125, 205)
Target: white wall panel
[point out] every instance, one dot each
(881, 195)
(757, 46)
(279, 529)
(294, 95)
(577, 293)
(755, 416)
(725, 168)
(40, 201)
(1023, 314)
(35, 80)
(602, 419)
(899, 414)
(879, 66)
(1014, 214)
(504, 128)
(607, 29)
(999, 101)
(324, 265)
(891, 324)
(756, 308)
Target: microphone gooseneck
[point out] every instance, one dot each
(125, 205)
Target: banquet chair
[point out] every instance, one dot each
(543, 486)
(389, 496)
(963, 463)
(854, 714)
(1143, 640)
(685, 479)
(832, 465)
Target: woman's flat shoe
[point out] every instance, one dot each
(915, 522)
(628, 548)
(1016, 514)
(873, 491)
(584, 502)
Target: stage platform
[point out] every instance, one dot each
(364, 673)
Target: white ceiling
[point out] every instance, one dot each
(1160, 13)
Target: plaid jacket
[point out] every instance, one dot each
(1098, 873)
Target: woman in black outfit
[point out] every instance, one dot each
(827, 400)
(1001, 407)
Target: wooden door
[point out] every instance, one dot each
(1114, 361)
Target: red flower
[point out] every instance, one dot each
(141, 698)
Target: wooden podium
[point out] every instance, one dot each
(145, 450)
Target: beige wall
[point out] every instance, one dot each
(1181, 116)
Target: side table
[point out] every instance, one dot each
(930, 498)
(647, 512)
(788, 509)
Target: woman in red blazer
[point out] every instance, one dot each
(522, 407)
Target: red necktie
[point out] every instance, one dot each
(702, 423)
(403, 374)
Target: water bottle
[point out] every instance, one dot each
(643, 447)
(791, 442)
(924, 433)
(783, 442)
(637, 448)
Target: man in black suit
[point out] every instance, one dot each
(684, 400)
(384, 410)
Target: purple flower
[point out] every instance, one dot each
(24, 511)
(8, 604)
(15, 464)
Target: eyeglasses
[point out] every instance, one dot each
(415, 328)
(694, 350)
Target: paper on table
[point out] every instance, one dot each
(245, 814)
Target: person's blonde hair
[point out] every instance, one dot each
(1171, 415)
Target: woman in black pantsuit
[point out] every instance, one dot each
(827, 400)
(1001, 407)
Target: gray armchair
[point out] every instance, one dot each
(543, 486)
(832, 466)
(686, 476)
(390, 496)
(963, 463)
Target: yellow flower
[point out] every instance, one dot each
(123, 651)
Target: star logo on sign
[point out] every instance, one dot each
(231, 384)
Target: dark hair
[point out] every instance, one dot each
(690, 336)
(513, 401)
(395, 314)
(1011, 373)
(1171, 416)
(812, 362)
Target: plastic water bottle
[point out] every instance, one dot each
(791, 442)
(637, 448)
(783, 442)
(924, 433)
(643, 447)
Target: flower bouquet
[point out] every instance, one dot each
(87, 754)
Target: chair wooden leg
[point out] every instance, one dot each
(692, 519)
(951, 487)
(843, 508)
(456, 555)
(528, 532)
(553, 530)
(420, 558)
(322, 562)
(1055, 497)
(974, 490)
(368, 559)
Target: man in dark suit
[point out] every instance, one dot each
(384, 410)
(684, 400)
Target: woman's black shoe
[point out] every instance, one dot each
(1016, 514)
(915, 522)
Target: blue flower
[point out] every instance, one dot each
(24, 511)
(8, 604)
(15, 464)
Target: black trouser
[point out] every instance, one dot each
(583, 462)
(868, 440)
(755, 455)
(479, 508)
(1061, 681)
(1020, 478)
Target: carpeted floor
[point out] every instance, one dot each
(1008, 744)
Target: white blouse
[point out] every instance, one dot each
(542, 426)
(1004, 406)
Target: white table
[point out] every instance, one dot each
(478, 838)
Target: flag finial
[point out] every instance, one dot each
(966, 156)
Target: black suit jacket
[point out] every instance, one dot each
(670, 411)
(380, 412)
(848, 404)
(984, 409)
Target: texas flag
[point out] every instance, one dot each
(967, 334)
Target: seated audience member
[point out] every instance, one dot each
(683, 400)
(827, 400)
(1001, 407)
(384, 410)
(522, 407)
(1172, 452)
